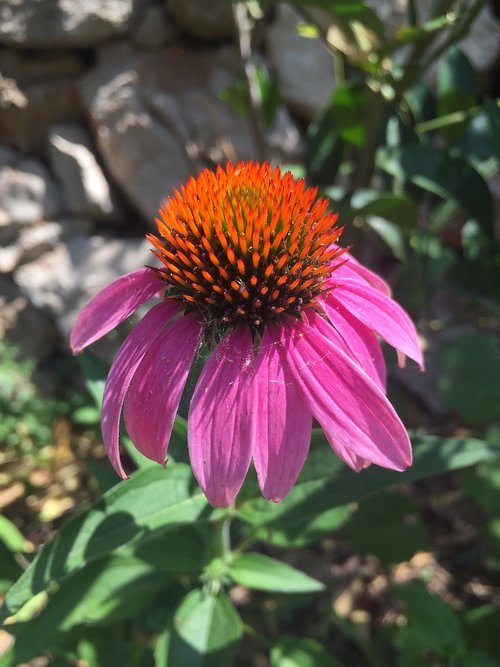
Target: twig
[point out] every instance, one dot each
(243, 30)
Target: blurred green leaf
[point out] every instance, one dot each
(483, 484)
(373, 527)
(432, 625)
(206, 631)
(350, 13)
(390, 234)
(326, 483)
(469, 369)
(12, 537)
(437, 171)
(421, 101)
(324, 149)
(458, 89)
(492, 111)
(152, 500)
(301, 652)
(348, 108)
(482, 627)
(263, 573)
(397, 208)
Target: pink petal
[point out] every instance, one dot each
(354, 270)
(156, 389)
(122, 371)
(284, 423)
(353, 412)
(354, 338)
(222, 418)
(112, 305)
(381, 314)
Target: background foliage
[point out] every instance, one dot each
(374, 569)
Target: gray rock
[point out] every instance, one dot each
(208, 20)
(154, 29)
(61, 281)
(303, 65)
(28, 88)
(34, 240)
(23, 324)
(86, 190)
(159, 118)
(27, 193)
(144, 157)
(63, 23)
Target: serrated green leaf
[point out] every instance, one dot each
(206, 631)
(152, 500)
(263, 573)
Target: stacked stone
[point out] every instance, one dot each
(105, 107)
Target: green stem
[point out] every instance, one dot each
(450, 119)
(460, 31)
(223, 539)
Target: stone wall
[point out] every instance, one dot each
(105, 107)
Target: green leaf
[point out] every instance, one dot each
(457, 90)
(348, 108)
(263, 573)
(106, 591)
(373, 526)
(437, 171)
(324, 149)
(492, 110)
(152, 500)
(308, 531)
(432, 625)
(350, 13)
(326, 482)
(206, 631)
(95, 372)
(301, 652)
(390, 234)
(11, 536)
(469, 369)
(398, 208)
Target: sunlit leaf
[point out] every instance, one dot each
(258, 571)
(206, 631)
(152, 500)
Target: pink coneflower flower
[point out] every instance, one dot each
(250, 265)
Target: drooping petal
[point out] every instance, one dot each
(381, 314)
(353, 412)
(284, 423)
(156, 389)
(122, 371)
(112, 305)
(356, 339)
(222, 418)
(354, 270)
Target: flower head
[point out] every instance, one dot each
(250, 265)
